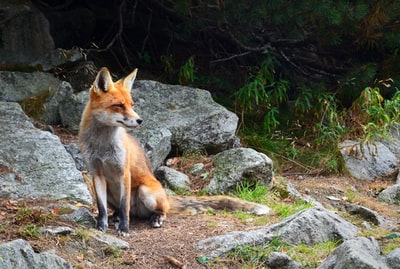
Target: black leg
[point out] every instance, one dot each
(102, 219)
(123, 226)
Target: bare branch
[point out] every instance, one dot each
(240, 44)
(119, 32)
(231, 57)
(148, 31)
(298, 68)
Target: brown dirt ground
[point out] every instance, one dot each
(156, 248)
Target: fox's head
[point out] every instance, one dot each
(111, 103)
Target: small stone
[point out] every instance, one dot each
(196, 168)
(56, 231)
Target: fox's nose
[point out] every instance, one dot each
(139, 121)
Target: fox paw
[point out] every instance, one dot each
(101, 226)
(156, 221)
(123, 233)
(122, 230)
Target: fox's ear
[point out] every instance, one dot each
(128, 80)
(103, 80)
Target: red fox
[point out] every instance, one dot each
(122, 177)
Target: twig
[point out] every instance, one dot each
(293, 64)
(148, 30)
(120, 29)
(175, 262)
(248, 48)
(231, 57)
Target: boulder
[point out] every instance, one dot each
(369, 161)
(34, 163)
(39, 93)
(175, 180)
(25, 33)
(195, 120)
(393, 140)
(234, 165)
(357, 253)
(279, 260)
(156, 143)
(26, 38)
(390, 195)
(393, 259)
(366, 214)
(19, 254)
(310, 226)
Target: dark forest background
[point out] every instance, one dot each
(302, 75)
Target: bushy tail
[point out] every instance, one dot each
(191, 205)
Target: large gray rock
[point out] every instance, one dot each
(234, 165)
(310, 226)
(393, 259)
(41, 93)
(19, 254)
(195, 120)
(357, 253)
(26, 38)
(393, 140)
(156, 143)
(34, 163)
(25, 33)
(390, 195)
(369, 161)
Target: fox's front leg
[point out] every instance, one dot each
(101, 197)
(125, 205)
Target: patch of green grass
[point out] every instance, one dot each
(307, 256)
(244, 217)
(83, 234)
(390, 245)
(285, 210)
(388, 240)
(32, 215)
(113, 251)
(253, 192)
(352, 195)
(28, 231)
(312, 256)
(259, 193)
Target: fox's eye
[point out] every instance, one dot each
(118, 105)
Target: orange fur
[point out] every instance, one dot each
(121, 172)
